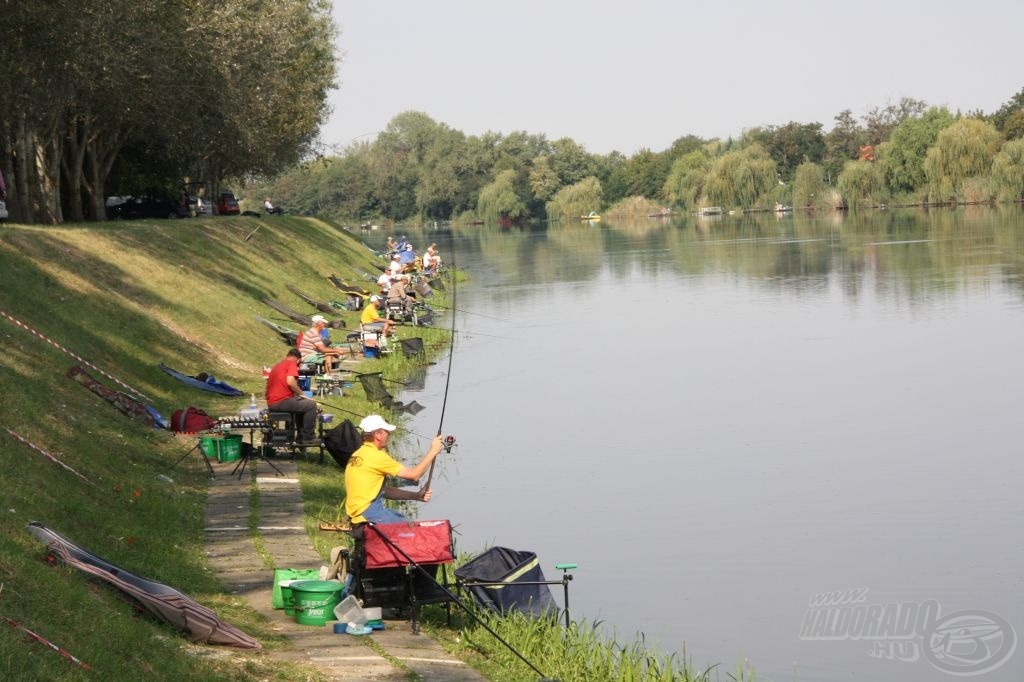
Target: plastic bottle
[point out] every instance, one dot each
(252, 412)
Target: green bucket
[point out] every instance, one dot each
(286, 597)
(314, 600)
(226, 449)
(230, 448)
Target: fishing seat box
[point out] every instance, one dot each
(380, 576)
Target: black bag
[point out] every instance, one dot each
(342, 441)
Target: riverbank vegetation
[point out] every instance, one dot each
(906, 153)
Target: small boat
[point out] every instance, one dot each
(779, 208)
(593, 215)
(710, 210)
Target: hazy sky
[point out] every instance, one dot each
(628, 75)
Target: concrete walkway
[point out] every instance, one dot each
(232, 553)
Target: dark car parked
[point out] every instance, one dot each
(228, 204)
(146, 206)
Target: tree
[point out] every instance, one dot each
(1008, 171)
(809, 188)
(645, 173)
(576, 200)
(741, 178)
(685, 183)
(544, 180)
(903, 157)
(570, 161)
(109, 91)
(791, 145)
(1012, 109)
(879, 122)
(499, 199)
(861, 184)
(963, 150)
(842, 144)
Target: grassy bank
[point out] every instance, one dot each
(125, 297)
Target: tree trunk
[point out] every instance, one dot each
(23, 196)
(99, 161)
(71, 163)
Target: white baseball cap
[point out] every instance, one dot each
(317, 319)
(374, 422)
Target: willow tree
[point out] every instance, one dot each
(1008, 171)
(902, 157)
(741, 178)
(809, 188)
(685, 182)
(576, 200)
(499, 198)
(862, 183)
(962, 151)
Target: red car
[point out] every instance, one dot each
(227, 204)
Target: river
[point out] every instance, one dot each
(722, 419)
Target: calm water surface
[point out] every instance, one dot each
(719, 419)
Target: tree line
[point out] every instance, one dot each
(904, 152)
(118, 96)
(126, 96)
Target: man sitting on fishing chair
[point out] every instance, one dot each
(372, 321)
(370, 464)
(313, 348)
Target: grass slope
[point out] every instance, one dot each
(125, 297)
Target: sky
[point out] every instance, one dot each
(624, 76)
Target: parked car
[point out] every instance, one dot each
(145, 206)
(199, 206)
(228, 204)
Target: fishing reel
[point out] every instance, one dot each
(448, 443)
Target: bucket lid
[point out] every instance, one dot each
(316, 586)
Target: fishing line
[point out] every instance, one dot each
(468, 312)
(356, 414)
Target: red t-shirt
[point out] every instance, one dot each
(277, 383)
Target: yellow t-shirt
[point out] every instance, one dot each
(364, 477)
(370, 313)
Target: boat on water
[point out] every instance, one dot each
(710, 210)
(779, 208)
(593, 215)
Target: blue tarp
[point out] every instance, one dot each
(208, 383)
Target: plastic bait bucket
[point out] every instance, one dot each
(314, 600)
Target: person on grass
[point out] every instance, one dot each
(371, 319)
(284, 394)
(368, 468)
(313, 347)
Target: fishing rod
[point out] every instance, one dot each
(449, 442)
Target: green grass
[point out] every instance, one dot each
(126, 297)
